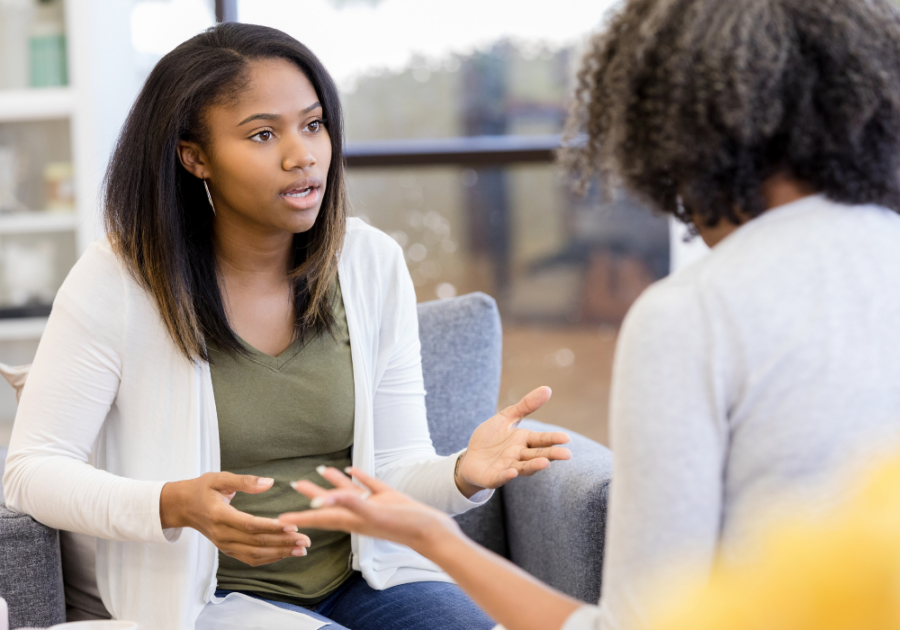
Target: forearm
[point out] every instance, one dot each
(64, 493)
(508, 594)
(430, 480)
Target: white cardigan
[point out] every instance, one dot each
(108, 384)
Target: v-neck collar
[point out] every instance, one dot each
(276, 363)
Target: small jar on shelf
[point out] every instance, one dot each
(47, 45)
(32, 44)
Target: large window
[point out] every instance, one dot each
(452, 111)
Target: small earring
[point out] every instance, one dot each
(209, 196)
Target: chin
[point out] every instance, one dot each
(304, 222)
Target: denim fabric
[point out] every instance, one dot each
(416, 606)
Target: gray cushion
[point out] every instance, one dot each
(30, 569)
(31, 575)
(556, 519)
(461, 352)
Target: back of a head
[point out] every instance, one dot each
(702, 100)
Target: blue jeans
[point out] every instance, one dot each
(417, 606)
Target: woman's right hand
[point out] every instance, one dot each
(204, 504)
(373, 509)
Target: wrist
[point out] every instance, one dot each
(170, 506)
(436, 535)
(466, 487)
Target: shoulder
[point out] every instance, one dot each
(94, 298)
(668, 308)
(373, 271)
(362, 235)
(368, 246)
(97, 272)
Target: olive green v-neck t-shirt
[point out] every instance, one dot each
(281, 417)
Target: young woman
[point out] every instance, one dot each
(234, 320)
(773, 128)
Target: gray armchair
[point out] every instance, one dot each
(561, 511)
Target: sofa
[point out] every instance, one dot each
(551, 524)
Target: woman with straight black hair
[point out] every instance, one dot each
(752, 379)
(235, 320)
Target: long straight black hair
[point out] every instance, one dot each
(157, 215)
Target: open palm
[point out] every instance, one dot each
(499, 450)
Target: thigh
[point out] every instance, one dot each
(416, 606)
(292, 607)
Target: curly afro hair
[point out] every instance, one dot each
(702, 100)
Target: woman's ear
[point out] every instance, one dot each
(193, 159)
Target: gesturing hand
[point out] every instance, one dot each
(204, 504)
(374, 510)
(499, 451)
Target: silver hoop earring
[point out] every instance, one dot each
(209, 196)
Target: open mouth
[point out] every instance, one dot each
(299, 193)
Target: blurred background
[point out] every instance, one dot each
(453, 113)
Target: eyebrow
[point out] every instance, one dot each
(277, 116)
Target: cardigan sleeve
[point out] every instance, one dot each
(70, 390)
(404, 454)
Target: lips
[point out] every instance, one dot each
(302, 193)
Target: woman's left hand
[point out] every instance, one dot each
(499, 451)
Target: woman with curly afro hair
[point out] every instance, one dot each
(759, 376)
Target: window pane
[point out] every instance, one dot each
(563, 270)
(441, 68)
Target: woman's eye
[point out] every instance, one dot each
(263, 136)
(315, 126)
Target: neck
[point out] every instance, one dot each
(777, 190)
(248, 255)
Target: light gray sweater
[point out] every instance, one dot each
(744, 382)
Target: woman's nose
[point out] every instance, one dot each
(297, 155)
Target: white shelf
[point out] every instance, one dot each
(34, 222)
(22, 329)
(36, 104)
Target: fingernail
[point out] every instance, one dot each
(294, 485)
(301, 543)
(318, 502)
(299, 552)
(320, 470)
(291, 529)
(347, 470)
(264, 481)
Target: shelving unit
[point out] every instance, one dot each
(36, 104)
(102, 87)
(23, 329)
(37, 222)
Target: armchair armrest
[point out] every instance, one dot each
(30, 571)
(556, 520)
(30, 568)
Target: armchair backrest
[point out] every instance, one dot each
(461, 360)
